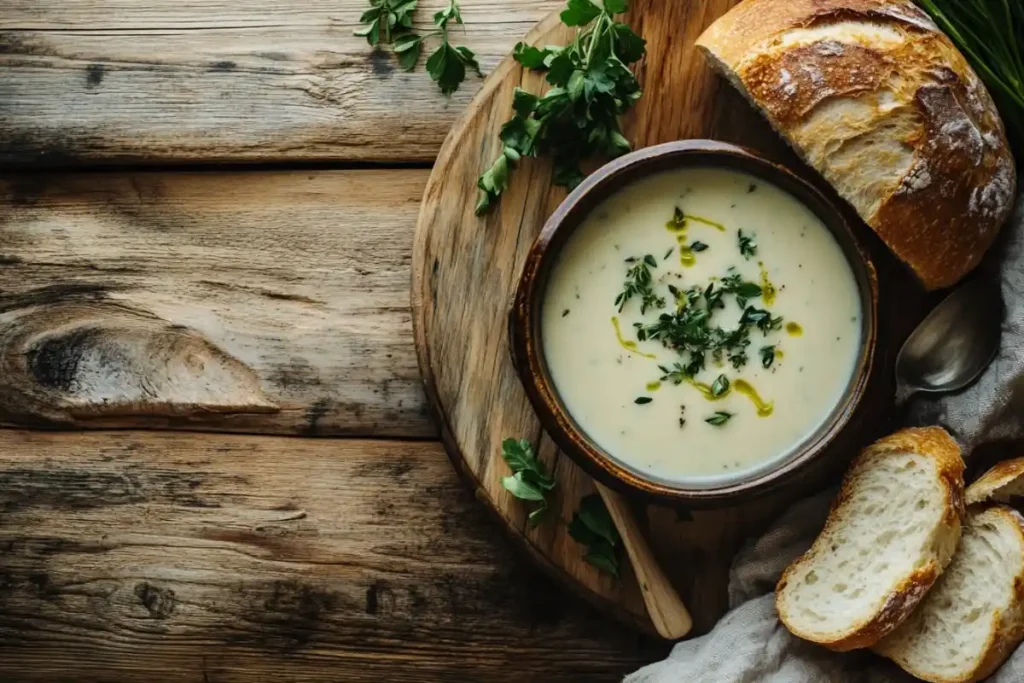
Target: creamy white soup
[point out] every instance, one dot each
(701, 324)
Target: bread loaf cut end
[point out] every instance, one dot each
(875, 98)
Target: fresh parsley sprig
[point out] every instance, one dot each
(390, 22)
(593, 526)
(530, 479)
(577, 117)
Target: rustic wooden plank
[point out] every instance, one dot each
(226, 80)
(300, 278)
(125, 555)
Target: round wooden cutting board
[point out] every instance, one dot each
(465, 270)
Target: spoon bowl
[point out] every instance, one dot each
(954, 344)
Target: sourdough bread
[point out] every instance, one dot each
(973, 617)
(890, 533)
(874, 97)
(1004, 483)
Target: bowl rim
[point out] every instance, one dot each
(525, 326)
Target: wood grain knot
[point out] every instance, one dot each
(61, 363)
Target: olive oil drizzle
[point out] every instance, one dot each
(705, 221)
(764, 408)
(794, 329)
(653, 386)
(742, 386)
(678, 226)
(705, 390)
(628, 344)
(768, 290)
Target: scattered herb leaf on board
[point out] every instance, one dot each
(990, 33)
(767, 356)
(592, 526)
(577, 118)
(390, 22)
(530, 480)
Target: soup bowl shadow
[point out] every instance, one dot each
(526, 342)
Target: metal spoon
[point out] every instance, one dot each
(954, 344)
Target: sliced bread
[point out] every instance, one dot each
(1004, 483)
(973, 617)
(890, 533)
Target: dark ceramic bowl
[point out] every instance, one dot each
(527, 347)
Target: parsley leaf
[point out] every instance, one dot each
(580, 13)
(578, 117)
(530, 479)
(408, 49)
(593, 526)
(767, 356)
(386, 20)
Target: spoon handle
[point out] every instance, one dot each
(666, 609)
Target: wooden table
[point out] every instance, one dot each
(211, 203)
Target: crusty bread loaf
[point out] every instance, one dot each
(890, 533)
(873, 96)
(973, 617)
(1002, 483)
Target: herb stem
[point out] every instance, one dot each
(594, 37)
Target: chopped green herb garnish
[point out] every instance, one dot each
(698, 246)
(718, 419)
(639, 282)
(530, 480)
(748, 247)
(594, 527)
(767, 356)
(642, 400)
(733, 283)
(720, 386)
(761, 318)
(668, 253)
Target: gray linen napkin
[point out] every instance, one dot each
(749, 645)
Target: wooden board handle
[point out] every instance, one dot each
(666, 609)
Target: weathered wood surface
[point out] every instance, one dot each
(299, 278)
(147, 556)
(462, 341)
(226, 80)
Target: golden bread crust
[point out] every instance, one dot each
(943, 183)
